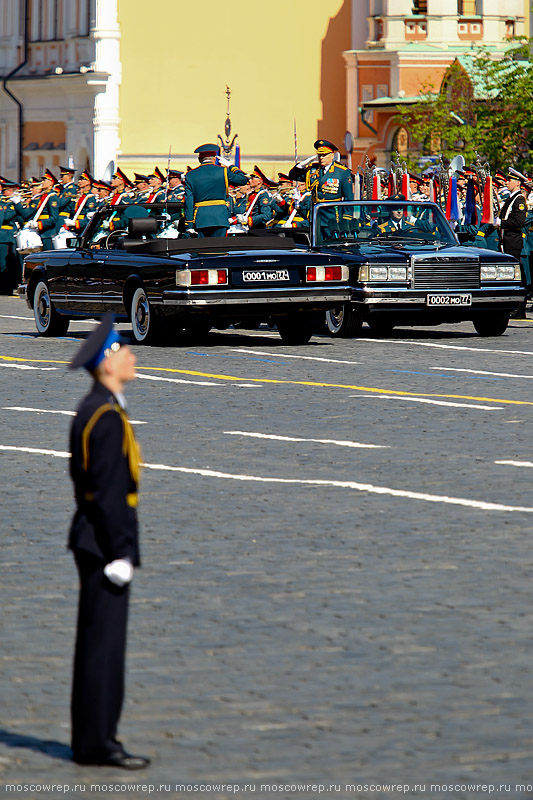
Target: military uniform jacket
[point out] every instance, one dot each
(513, 217)
(10, 214)
(206, 191)
(86, 205)
(259, 209)
(66, 200)
(104, 467)
(48, 219)
(332, 183)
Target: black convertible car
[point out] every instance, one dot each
(408, 268)
(130, 260)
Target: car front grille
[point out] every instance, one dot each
(445, 272)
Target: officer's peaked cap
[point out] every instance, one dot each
(93, 350)
(322, 146)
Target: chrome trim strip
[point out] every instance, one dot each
(421, 301)
(333, 294)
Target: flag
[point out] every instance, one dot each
(238, 156)
(470, 203)
(405, 186)
(488, 208)
(452, 203)
(376, 187)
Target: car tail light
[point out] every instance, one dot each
(320, 274)
(201, 277)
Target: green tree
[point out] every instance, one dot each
(484, 104)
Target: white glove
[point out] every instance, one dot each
(119, 572)
(242, 218)
(224, 162)
(69, 223)
(497, 222)
(32, 225)
(190, 230)
(305, 162)
(106, 225)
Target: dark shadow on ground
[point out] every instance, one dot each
(49, 747)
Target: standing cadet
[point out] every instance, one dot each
(104, 466)
(176, 189)
(157, 190)
(327, 180)
(511, 222)
(258, 210)
(142, 188)
(42, 213)
(66, 193)
(10, 263)
(206, 192)
(85, 204)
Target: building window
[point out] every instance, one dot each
(467, 8)
(416, 30)
(509, 28)
(378, 30)
(420, 7)
(367, 94)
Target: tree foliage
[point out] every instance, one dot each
(484, 104)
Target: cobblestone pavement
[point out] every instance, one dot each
(364, 621)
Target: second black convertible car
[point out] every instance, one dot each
(408, 268)
(130, 261)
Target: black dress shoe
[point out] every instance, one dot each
(118, 759)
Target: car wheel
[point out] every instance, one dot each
(343, 321)
(295, 330)
(380, 327)
(491, 324)
(47, 321)
(144, 323)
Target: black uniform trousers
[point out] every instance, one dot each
(99, 661)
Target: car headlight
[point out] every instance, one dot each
(501, 272)
(368, 273)
(397, 273)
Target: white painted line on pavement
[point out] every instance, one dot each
(483, 372)
(25, 366)
(287, 355)
(177, 380)
(359, 487)
(37, 451)
(431, 402)
(54, 411)
(515, 463)
(12, 316)
(451, 346)
(339, 442)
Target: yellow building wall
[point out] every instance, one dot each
(281, 59)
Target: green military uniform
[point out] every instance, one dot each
(10, 262)
(333, 182)
(66, 201)
(206, 191)
(85, 208)
(48, 219)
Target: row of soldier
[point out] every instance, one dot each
(214, 204)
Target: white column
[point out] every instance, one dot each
(106, 35)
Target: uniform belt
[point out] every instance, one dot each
(210, 203)
(7, 227)
(44, 216)
(63, 213)
(132, 498)
(480, 233)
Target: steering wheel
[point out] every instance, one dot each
(110, 236)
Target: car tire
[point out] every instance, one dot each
(343, 321)
(296, 329)
(144, 322)
(491, 324)
(47, 321)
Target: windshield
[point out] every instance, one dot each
(375, 222)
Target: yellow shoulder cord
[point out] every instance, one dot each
(130, 446)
